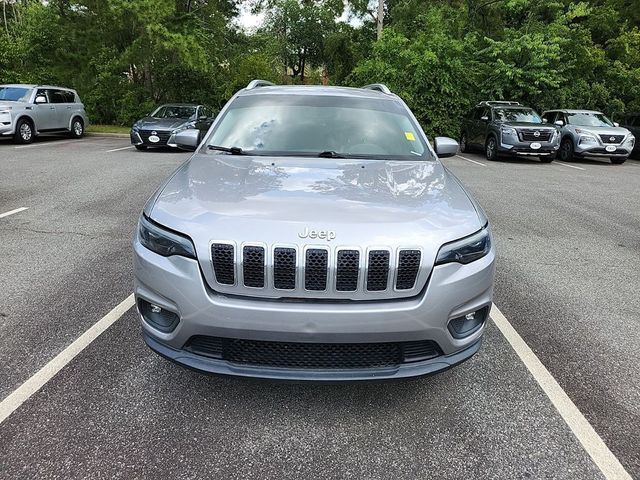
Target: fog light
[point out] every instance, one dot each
(158, 317)
(461, 327)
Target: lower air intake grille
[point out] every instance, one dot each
(253, 266)
(284, 268)
(222, 255)
(313, 355)
(315, 271)
(378, 270)
(408, 266)
(347, 270)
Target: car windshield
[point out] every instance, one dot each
(307, 125)
(174, 111)
(15, 94)
(586, 119)
(517, 115)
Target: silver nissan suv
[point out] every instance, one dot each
(29, 110)
(587, 133)
(314, 235)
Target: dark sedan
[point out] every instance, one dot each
(160, 127)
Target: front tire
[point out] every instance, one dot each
(491, 149)
(24, 132)
(618, 160)
(464, 147)
(566, 150)
(77, 128)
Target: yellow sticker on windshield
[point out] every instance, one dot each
(410, 136)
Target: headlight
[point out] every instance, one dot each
(186, 126)
(135, 127)
(631, 141)
(509, 131)
(163, 241)
(588, 139)
(466, 250)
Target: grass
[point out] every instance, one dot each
(108, 129)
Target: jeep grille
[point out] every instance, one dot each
(317, 272)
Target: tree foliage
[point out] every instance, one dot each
(441, 56)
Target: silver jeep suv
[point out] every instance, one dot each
(314, 235)
(29, 110)
(590, 133)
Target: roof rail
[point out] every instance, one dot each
(498, 102)
(258, 83)
(379, 87)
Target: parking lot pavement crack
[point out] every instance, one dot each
(59, 232)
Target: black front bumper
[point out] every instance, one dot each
(222, 367)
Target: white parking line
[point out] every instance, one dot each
(11, 212)
(606, 461)
(470, 160)
(44, 144)
(118, 149)
(46, 373)
(567, 165)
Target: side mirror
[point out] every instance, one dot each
(188, 139)
(445, 147)
(203, 117)
(484, 118)
(560, 123)
(544, 120)
(41, 99)
(616, 124)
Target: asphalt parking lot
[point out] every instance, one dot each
(569, 241)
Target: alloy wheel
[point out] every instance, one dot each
(25, 132)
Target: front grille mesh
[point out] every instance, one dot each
(607, 138)
(297, 355)
(315, 269)
(284, 268)
(222, 255)
(348, 269)
(163, 136)
(350, 272)
(378, 270)
(530, 135)
(253, 266)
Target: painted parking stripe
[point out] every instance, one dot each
(118, 149)
(606, 461)
(45, 144)
(46, 373)
(570, 166)
(11, 212)
(470, 160)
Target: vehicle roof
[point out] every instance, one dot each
(569, 110)
(317, 90)
(25, 85)
(180, 105)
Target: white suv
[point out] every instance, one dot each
(29, 110)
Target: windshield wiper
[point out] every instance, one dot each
(231, 150)
(330, 154)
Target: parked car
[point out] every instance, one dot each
(314, 235)
(160, 127)
(507, 129)
(631, 121)
(30, 110)
(590, 133)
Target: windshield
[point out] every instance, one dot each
(517, 115)
(174, 111)
(583, 119)
(15, 94)
(308, 125)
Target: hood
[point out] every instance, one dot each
(603, 130)
(151, 123)
(529, 125)
(273, 200)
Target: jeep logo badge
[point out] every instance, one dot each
(322, 234)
